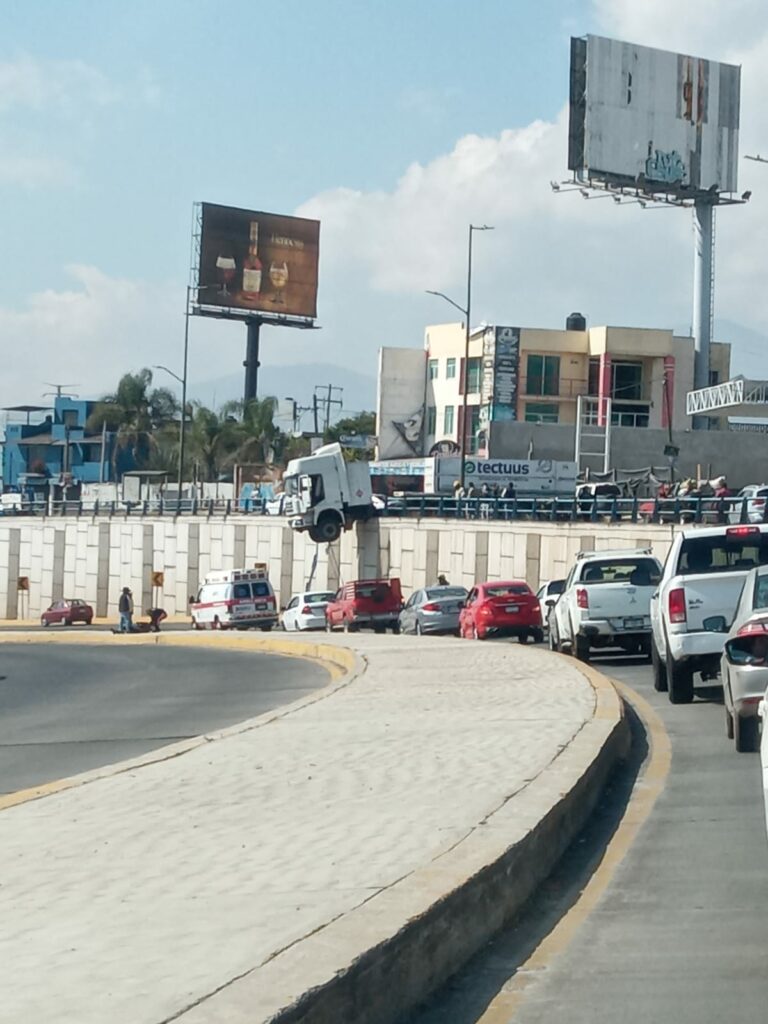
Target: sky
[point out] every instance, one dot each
(395, 124)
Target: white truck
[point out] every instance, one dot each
(695, 602)
(325, 494)
(606, 603)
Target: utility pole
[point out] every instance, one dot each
(328, 401)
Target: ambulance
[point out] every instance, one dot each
(235, 599)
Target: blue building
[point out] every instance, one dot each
(60, 447)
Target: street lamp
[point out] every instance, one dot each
(466, 312)
(159, 366)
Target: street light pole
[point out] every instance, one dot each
(464, 417)
(183, 427)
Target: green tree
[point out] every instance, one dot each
(136, 413)
(255, 431)
(212, 438)
(362, 425)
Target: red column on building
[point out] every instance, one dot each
(604, 389)
(668, 396)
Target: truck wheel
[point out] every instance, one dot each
(267, 628)
(679, 682)
(327, 530)
(659, 671)
(581, 648)
(745, 733)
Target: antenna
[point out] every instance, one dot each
(59, 392)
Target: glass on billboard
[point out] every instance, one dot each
(262, 262)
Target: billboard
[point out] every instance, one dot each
(663, 121)
(498, 382)
(260, 262)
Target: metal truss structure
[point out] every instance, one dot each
(738, 397)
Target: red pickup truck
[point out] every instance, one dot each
(365, 604)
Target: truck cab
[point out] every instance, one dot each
(325, 494)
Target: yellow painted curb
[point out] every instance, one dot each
(341, 663)
(646, 791)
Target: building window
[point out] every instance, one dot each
(450, 369)
(448, 421)
(714, 378)
(70, 417)
(629, 416)
(627, 382)
(431, 420)
(543, 375)
(432, 366)
(474, 371)
(474, 427)
(542, 412)
(593, 381)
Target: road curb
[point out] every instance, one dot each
(343, 666)
(377, 963)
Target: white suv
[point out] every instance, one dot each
(606, 603)
(694, 605)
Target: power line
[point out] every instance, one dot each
(328, 400)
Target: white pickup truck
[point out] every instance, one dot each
(694, 605)
(606, 603)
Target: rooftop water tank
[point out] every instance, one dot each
(576, 322)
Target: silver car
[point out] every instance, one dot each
(433, 610)
(744, 664)
(756, 497)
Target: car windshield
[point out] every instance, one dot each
(722, 553)
(507, 590)
(321, 597)
(641, 572)
(260, 589)
(434, 595)
(290, 485)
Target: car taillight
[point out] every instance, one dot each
(431, 607)
(753, 629)
(677, 605)
(742, 531)
(306, 610)
(758, 501)
(271, 602)
(582, 598)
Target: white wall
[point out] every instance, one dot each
(400, 402)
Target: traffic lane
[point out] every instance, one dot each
(66, 708)
(98, 627)
(680, 933)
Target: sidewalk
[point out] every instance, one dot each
(221, 884)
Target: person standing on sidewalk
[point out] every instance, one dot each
(125, 607)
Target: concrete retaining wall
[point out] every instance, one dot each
(93, 559)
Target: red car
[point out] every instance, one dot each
(372, 604)
(503, 608)
(67, 613)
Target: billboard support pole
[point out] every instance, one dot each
(703, 280)
(251, 363)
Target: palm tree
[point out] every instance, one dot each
(135, 413)
(255, 429)
(211, 438)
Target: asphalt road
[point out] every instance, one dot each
(69, 708)
(681, 932)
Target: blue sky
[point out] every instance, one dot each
(395, 122)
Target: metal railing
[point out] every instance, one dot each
(542, 508)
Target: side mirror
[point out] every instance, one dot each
(715, 624)
(551, 602)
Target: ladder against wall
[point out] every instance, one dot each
(593, 434)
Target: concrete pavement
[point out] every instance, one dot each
(359, 843)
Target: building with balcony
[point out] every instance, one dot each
(58, 446)
(517, 376)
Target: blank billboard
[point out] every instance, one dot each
(263, 262)
(664, 121)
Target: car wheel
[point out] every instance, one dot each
(476, 635)
(396, 628)
(745, 733)
(581, 648)
(728, 724)
(523, 638)
(538, 636)
(419, 630)
(645, 648)
(296, 626)
(679, 682)
(267, 628)
(659, 671)
(45, 623)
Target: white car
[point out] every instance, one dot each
(763, 713)
(756, 496)
(606, 603)
(744, 666)
(696, 601)
(548, 595)
(307, 610)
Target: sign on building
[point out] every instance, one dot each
(529, 476)
(499, 378)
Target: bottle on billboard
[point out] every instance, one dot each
(252, 266)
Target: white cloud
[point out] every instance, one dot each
(63, 86)
(35, 171)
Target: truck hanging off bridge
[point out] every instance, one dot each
(325, 494)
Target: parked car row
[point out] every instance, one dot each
(496, 608)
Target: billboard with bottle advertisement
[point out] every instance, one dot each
(663, 121)
(261, 262)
